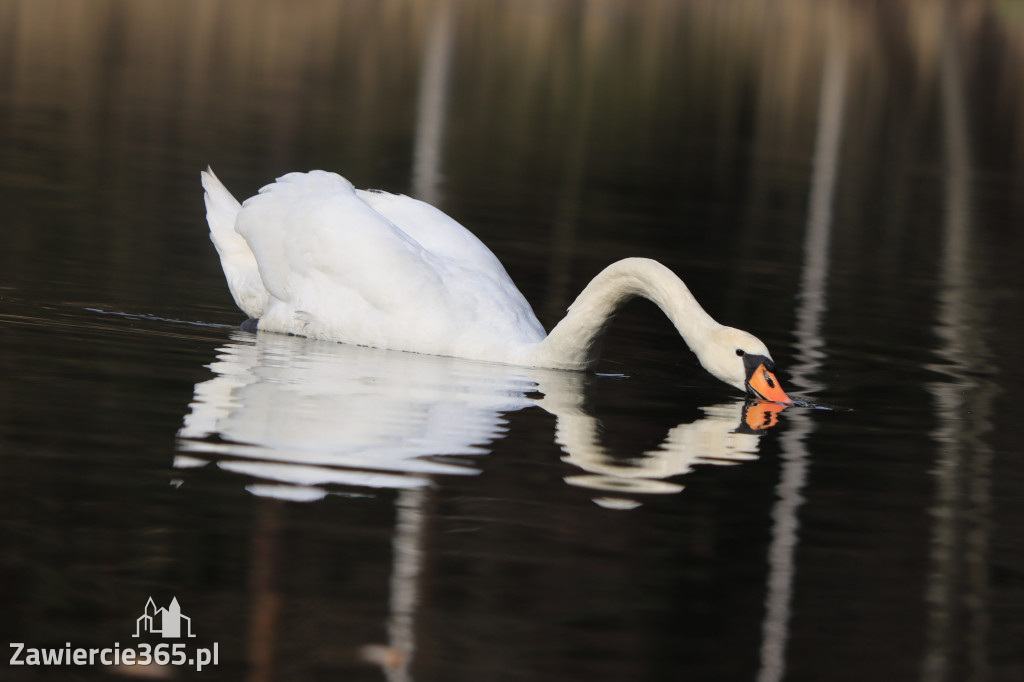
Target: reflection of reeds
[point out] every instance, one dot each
(192, 58)
(189, 73)
(125, 100)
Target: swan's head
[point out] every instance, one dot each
(741, 359)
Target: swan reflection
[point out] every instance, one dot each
(726, 434)
(312, 414)
(306, 417)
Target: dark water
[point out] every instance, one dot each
(843, 180)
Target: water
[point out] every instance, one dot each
(843, 181)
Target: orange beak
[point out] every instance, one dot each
(760, 416)
(763, 384)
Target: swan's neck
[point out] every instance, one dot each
(575, 342)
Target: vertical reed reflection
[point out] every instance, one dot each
(265, 606)
(407, 565)
(432, 105)
(809, 354)
(957, 591)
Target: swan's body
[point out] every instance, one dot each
(313, 256)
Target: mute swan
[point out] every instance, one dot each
(313, 256)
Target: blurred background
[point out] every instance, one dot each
(841, 178)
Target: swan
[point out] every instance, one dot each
(311, 255)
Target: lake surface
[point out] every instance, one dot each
(845, 181)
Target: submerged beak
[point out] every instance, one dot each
(763, 385)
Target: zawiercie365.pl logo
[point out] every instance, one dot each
(169, 623)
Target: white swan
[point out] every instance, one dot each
(313, 256)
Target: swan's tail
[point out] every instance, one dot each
(221, 211)
(240, 267)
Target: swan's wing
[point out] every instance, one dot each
(312, 225)
(434, 230)
(237, 260)
(343, 270)
(446, 239)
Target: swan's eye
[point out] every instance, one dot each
(739, 352)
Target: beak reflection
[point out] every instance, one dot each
(761, 416)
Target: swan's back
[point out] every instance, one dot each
(378, 269)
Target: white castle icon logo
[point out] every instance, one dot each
(166, 622)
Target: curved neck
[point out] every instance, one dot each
(575, 342)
